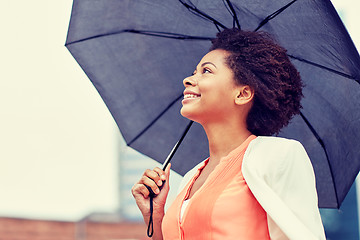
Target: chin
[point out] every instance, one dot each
(183, 112)
(189, 115)
(186, 114)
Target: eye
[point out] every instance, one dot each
(206, 70)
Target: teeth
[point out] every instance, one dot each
(190, 96)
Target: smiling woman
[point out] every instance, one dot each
(213, 85)
(252, 186)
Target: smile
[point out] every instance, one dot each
(187, 96)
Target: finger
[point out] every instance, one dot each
(151, 184)
(154, 176)
(161, 173)
(140, 189)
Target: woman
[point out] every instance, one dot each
(251, 186)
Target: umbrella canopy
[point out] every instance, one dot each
(137, 52)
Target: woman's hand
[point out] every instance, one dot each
(158, 181)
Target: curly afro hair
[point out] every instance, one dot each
(259, 62)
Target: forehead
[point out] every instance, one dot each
(216, 57)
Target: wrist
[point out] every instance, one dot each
(158, 215)
(156, 227)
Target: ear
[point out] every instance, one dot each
(244, 95)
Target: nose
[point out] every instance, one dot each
(189, 81)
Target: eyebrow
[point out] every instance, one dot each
(208, 63)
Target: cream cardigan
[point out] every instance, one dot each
(279, 173)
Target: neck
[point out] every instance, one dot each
(224, 137)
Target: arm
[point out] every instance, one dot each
(153, 179)
(281, 177)
(294, 184)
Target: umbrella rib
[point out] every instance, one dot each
(155, 120)
(325, 68)
(273, 15)
(199, 13)
(167, 35)
(233, 13)
(322, 144)
(145, 32)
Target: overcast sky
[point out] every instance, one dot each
(58, 142)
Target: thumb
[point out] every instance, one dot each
(167, 175)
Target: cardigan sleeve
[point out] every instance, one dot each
(280, 175)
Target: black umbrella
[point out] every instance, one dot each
(137, 52)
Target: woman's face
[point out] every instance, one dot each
(209, 92)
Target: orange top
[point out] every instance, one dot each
(222, 208)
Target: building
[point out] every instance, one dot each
(85, 229)
(131, 167)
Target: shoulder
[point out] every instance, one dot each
(269, 146)
(274, 144)
(274, 154)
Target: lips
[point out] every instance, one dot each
(191, 95)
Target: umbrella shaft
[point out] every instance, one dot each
(172, 153)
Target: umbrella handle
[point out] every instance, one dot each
(150, 229)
